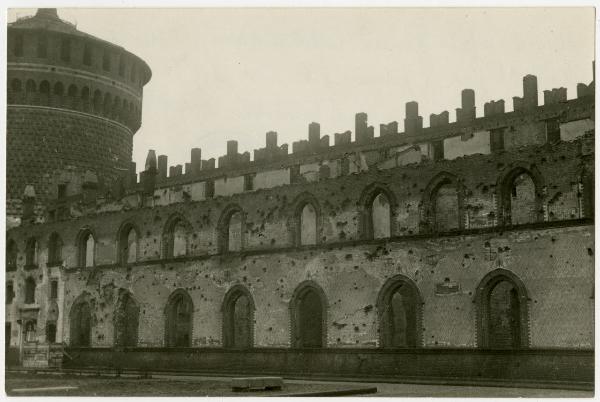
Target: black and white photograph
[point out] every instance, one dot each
(288, 201)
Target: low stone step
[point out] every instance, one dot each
(256, 383)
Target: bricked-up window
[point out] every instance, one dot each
(106, 60)
(18, 45)
(31, 252)
(380, 217)
(11, 255)
(552, 131)
(72, 92)
(238, 318)
(55, 249)
(87, 54)
(126, 321)
(65, 49)
(86, 249)
(128, 244)
(308, 313)
(42, 46)
(502, 321)
(29, 290)
(399, 309)
(10, 292)
(308, 225)
(442, 204)
(81, 324)
(178, 324)
(53, 289)
(497, 140)
(122, 65)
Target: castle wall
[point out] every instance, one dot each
(555, 265)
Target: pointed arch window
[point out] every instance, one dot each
(126, 321)
(308, 311)
(238, 318)
(128, 244)
(399, 312)
(520, 197)
(30, 290)
(86, 248)
(378, 204)
(231, 230)
(176, 237)
(178, 324)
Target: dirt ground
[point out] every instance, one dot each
(135, 386)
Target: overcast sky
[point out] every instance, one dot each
(220, 74)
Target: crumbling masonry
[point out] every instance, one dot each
(474, 235)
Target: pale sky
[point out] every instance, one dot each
(220, 74)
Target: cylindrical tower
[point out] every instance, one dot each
(73, 100)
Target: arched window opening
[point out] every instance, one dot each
(55, 249)
(308, 225)
(30, 87)
(238, 319)
(502, 317)
(445, 208)
(30, 331)
(399, 310)
(115, 108)
(86, 249)
(308, 313)
(15, 85)
(81, 324)
(126, 321)
(59, 89)
(31, 253)
(45, 87)
(380, 217)
(176, 237)
(107, 104)
(11, 255)
(523, 200)
(230, 229)
(97, 101)
(179, 314)
(377, 204)
(128, 244)
(29, 290)
(72, 92)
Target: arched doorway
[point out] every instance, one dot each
(81, 324)
(309, 313)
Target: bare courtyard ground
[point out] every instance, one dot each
(167, 385)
